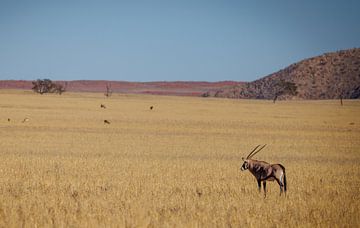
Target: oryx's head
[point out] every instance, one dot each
(245, 165)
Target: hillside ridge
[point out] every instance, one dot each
(327, 76)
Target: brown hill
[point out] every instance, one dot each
(327, 76)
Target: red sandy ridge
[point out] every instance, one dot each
(177, 88)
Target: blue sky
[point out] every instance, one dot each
(169, 40)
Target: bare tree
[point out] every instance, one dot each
(108, 92)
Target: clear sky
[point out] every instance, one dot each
(210, 40)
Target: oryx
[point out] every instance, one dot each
(264, 171)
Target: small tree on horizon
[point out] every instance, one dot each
(283, 87)
(47, 86)
(108, 92)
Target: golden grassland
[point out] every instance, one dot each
(176, 165)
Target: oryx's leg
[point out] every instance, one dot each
(264, 185)
(280, 184)
(259, 185)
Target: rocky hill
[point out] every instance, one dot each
(327, 76)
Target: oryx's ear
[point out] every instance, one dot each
(243, 158)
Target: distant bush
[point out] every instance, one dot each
(207, 94)
(283, 87)
(47, 86)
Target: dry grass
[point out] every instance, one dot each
(177, 165)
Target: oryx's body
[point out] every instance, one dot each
(264, 171)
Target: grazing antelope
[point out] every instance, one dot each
(106, 122)
(151, 107)
(25, 120)
(264, 171)
(102, 106)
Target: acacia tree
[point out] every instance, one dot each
(283, 87)
(47, 86)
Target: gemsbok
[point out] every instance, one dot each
(264, 171)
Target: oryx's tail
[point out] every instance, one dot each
(284, 181)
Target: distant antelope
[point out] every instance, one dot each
(106, 122)
(151, 107)
(102, 106)
(264, 171)
(8, 119)
(25, 120)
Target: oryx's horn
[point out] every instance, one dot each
(257, 151)
(252, 151)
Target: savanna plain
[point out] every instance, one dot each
(177, 165)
